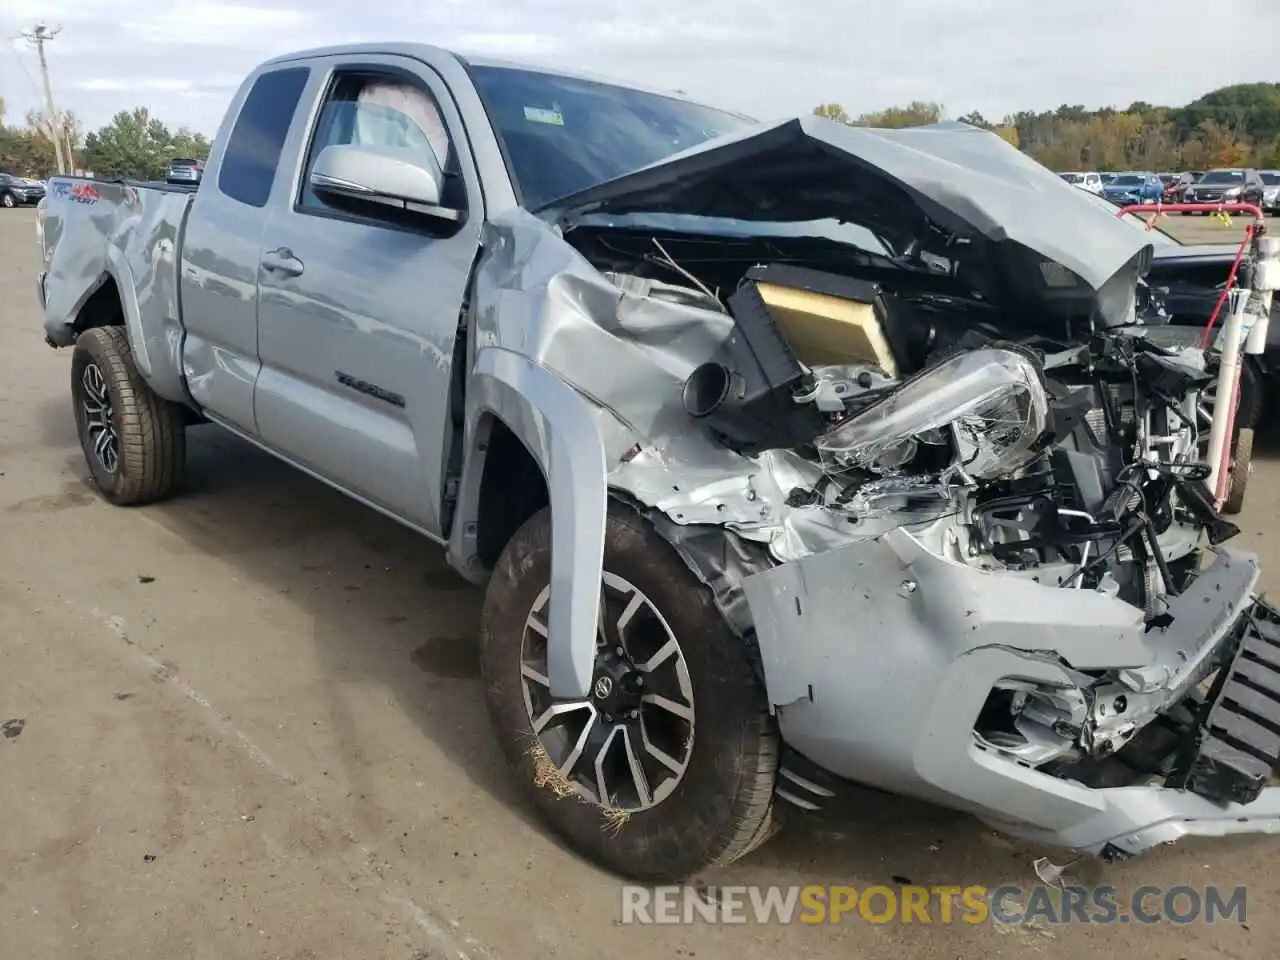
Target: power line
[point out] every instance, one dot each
(22, 65)
(37, 37)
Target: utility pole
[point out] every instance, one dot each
(38, 37)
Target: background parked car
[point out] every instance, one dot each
(1232, 185)
(184, 170)
(19, 191)
(1136, 187)
(1270, 190)
(1085, 181)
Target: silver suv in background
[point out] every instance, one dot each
(19, 191)
(184, 170)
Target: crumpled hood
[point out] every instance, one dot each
(962, 178)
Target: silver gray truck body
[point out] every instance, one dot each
(335, 342)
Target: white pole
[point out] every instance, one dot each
(1233, 337)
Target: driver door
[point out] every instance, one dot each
(358, 312)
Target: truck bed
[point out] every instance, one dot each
(122, 233)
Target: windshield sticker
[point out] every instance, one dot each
(543, 115)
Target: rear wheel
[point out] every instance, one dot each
(8, 201)
(668, 765)
(134, 441)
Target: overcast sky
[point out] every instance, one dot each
(768, 58)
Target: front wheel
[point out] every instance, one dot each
(133, 440)
(668, 765)
(1241, 467)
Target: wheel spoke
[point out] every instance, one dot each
(603, 641)
(664, 758)
(529, 673)
(629, 611)
(665, 653)
(102, 442)
(602, 786)
(579, 746)
(643, 793)
(669, 705)
(559, 710)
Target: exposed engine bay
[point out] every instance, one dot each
(1070, 462)
(891, 395)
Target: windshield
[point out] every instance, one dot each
(562, 135)
(1127, 180)
(1223, 176)
(1072, 177)
(1167, 178)
(1270, 178)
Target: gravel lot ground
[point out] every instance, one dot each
(248, 724)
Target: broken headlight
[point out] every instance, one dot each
(990, 404)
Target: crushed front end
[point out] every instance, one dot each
(998, 583)
(941, 479)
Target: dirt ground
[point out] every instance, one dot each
(247, 723)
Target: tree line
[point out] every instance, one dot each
(133, 144)
(1233, 126)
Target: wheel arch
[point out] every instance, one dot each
(521, 416)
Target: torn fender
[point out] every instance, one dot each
(558, 427)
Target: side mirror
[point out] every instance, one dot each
(398, 177)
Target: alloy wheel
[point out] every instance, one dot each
(98, 415)
(628, 744)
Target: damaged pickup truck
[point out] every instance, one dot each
(793, 455)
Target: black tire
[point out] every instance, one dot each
(7, 200)
(1241, 462)
(1252, 390)
(722, 806)
(150, 437)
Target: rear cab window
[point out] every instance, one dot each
(249, 162)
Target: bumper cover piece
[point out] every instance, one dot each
(879, 657)
(1239, 740)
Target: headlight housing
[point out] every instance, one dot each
(991, 402)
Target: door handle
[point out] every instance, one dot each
(282, 261)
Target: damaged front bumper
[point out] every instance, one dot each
(881, 659)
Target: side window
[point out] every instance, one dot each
(253, 150)
(376, 110)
